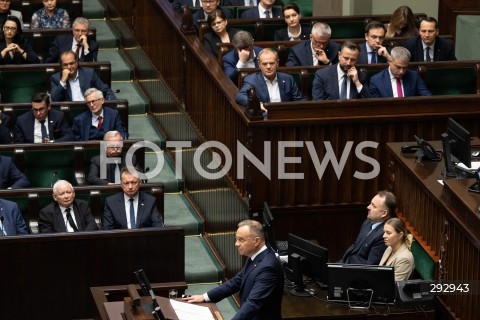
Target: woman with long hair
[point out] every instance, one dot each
(219, 32)
(402, 23)
(13, 48)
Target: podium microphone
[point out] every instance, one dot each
(145, 284)
(54, 174)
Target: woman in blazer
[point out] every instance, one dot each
(13, 48)
(219, 33)
(294, 30)
(398, 252)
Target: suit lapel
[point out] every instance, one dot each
(58, 222)
(140, 210)
(282, 87)
(262, 93)
(78, 217)
(121, 209)
(387, 82)
(87, 124)
(51, 128)
(30, 127)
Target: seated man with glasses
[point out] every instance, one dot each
(84, 47)
(5, 12)
(70, 83)
(317, 51)
(43, 124)
(208, 6)
(94, 123)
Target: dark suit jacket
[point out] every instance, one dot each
(288, 88)
(442, 50)
(17, 57)
(10, 176)
(200, 15)
(178, 4)
(413, 85)
(236, 3)
(94, 173)
(13, 222)
(115, 217)
(50, 218)
(84, 131)
(368, 248)
(301, 54)
(325, 85)
(58, 128)
(230, 63)
(282, 34)
(88, 79)
(260, 288)
(64, 43)
(253, 13)
(363, 57)
(5, 137)
(210, 40)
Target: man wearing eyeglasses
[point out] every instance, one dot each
(95, 122)
(5, 12)
(318, 51)
(84, 47)
(43, 124)
(208, 6)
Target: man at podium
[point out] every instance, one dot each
(259, 283)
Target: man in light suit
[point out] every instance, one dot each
(243, 55)
(372, 50)
(396, 81)
(65, 213)
(84, 47)
(264, 10)
(43, 124)
(93, 123)
(369, 246)
(131, 208)
(113, 150)
(10, 176)
(318, 51)
(70, 83)
(427, 46)
(341, 80)
(11, 219)
(270, 85)
(260, 282)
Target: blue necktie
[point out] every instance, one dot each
(343, 90)
(374, 57)
(132, 215)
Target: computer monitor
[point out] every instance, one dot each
(360, 285)
(268, 227)
(306, 258)
(459, 143)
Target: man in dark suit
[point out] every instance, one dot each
(372, 50)
(43, 124)
(341, 80)
(65, 213)
(427, 46)
(240, 3)
(85, 48)
(93, 123)
(10, 176)
(178, 4)
(369, 246)
(70, 83)
(112, 150)
(260, 282)
(208, 6)
(5, 136)
(243, 55)
(319, 50)
(11, 219)
(131, 208)
(396, 81)
(264, 10)
(270, 85)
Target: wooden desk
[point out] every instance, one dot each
(447, 219)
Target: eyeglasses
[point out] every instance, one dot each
(92, 101)
(6, 28)
(38, 110)
(5, 1)
(242, 240)
(217, 23)
(318, 43)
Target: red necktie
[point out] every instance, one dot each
(99, 123)
(77, 51)
(399, 88)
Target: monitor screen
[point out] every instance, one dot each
(360, 284)
(268, 227)
(459, 143)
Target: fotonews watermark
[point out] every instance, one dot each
(220, 164)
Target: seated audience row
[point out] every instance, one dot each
(49, 17)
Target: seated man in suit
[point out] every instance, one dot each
(264, 10)
(5, 11)
(5, 136)
(65, 213)
(43, 124)
(260, 282)
(112, 150)
(428, 46)
(372, 50)
(369, 246)
(93, 123)
(319, 50)
(270, 85)
(341, 80)
(10, 176)
(178, 4)
(243, 55)
(131, 208)
(208, 6)
(70, 83)
(396, 81)
(11, 219)
(240, 3)
(85, 48)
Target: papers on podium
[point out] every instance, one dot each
(190, 311)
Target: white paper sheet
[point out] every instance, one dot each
(190, 311)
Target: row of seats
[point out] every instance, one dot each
(28, 7)
(441, 77)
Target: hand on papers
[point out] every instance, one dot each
(194, 299)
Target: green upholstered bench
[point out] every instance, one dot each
(451, 79)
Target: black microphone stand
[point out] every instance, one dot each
(145, 285)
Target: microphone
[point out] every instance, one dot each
(54, 173)
(145, 171)
(145, 285)
(2, 229)
(117, 91)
